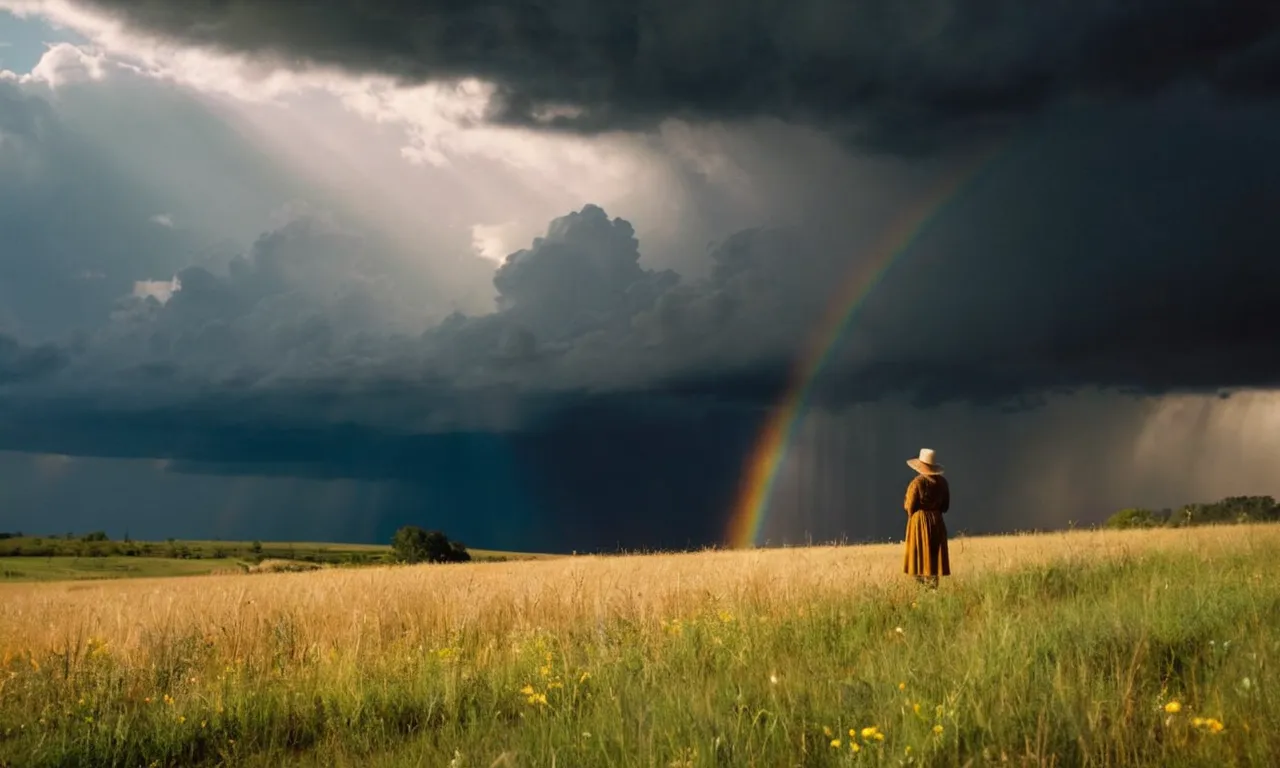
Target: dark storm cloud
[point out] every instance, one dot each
(582, 472)
(884, 72)
(84, 177)
(1133, 250)
(301, 294)
(1131, 247)
(262, 367)
(19, 362)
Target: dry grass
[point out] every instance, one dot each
(408, 664)
(342, 609)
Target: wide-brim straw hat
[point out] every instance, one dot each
(926, 463)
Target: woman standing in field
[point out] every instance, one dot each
(928, 499)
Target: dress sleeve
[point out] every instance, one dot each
(946, 495)
(913, 496)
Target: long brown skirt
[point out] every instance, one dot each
(926, 553)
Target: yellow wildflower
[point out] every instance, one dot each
(1210, 724)
(937, 729)
(527, 690)
(916, 708)
(182, 719)
(835, 743)
(853, 745)
(1173, 707)
(826, 731)
(902, 686)
(584, 678)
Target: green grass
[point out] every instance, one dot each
(32, 558)
(1070, 663)
(14, 569)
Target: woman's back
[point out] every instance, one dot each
(928, 492)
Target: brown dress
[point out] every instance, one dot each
(928, 498)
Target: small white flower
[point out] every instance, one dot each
(773, 678)
(899, 630)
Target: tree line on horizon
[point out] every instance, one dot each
(1233, 509)
(410, 544)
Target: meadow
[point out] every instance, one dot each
(1109, 648)
(35, 558)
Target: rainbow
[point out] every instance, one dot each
(761, 470)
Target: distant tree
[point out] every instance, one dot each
(412, 544)
(256, 547)
(1134, 518)
(96, 536)
(1233, 509)
(1245, 509)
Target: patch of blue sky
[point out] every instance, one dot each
(24, 40)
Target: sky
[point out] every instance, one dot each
(541, 275)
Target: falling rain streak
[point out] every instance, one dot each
(1072, 461)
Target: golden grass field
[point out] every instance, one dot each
(369, 607)
(1039, 649)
